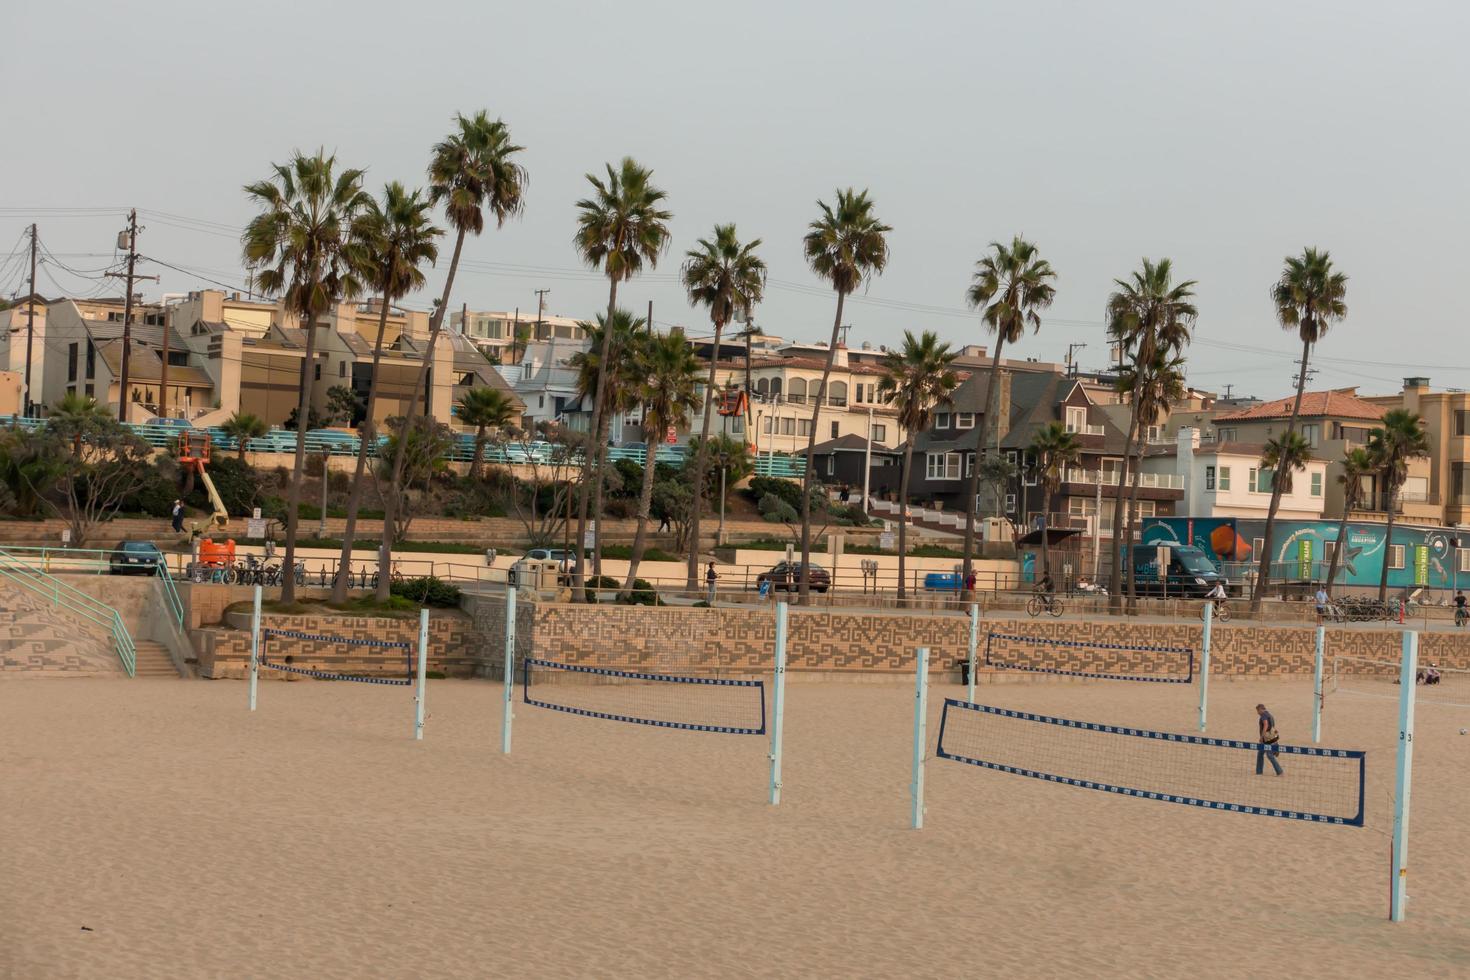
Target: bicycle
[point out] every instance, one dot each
(1037, 603)
(1222, 610)
(1462, 616)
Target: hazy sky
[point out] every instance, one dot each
(1222, 135)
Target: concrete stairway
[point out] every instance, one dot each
(153, 660)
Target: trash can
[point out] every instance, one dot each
(964, 665)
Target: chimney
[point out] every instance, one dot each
(1184, 465)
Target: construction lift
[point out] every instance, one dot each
(194, 454)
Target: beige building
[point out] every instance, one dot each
(494, 332)
(1446, 417)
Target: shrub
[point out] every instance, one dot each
(601, 583)
(428, 590)
(643, 594)
(778, 511)
(761, 487)
(619, 508)
(155, 497)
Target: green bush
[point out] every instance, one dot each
(600, 583)
(429, 591)
(154, 498)
(624, 552)
(777, 510)
(761, 487)
(643, 594)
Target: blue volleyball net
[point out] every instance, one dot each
(727, 706)
(1316, 784)
(1082, 658)
(323, 651)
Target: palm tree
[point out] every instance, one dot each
(1356, 464)
(1309, 297)
(617, 394)
(242, 427)
(1148, 315)
(484, 408)
(916, 377)
(301, 247)
(1283, 456)
(726, 277)
(1055, 449)
(666, 378)
(396, 237)
(748, 334)
(1011, 284)
(1154, 388)
(846, 245)
(471, 171)
(1399, 439)
(619, 229)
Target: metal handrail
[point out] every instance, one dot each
(162, 572)
(96, 560)
(73, 600)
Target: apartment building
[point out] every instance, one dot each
(1446, 416)
(496, 332)
(1226, 479)
(26, 316)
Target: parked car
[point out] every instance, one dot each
(134, 558)
(786, 577)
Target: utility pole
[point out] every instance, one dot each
(127, 336)
(540, 308)
(1227, 391)
(31, 325)
(1072, 358)
(650, 318)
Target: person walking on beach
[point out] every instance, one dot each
(1268, 748)
(178, 515)
(710, 577)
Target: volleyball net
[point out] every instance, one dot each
(323, 653)
(1364, 677)
(1317, 785)
(1081, 658)
(728, 706)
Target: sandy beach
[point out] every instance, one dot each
(158, 829)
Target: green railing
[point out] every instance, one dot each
(91, 561)
(168, 589)
(73, 600)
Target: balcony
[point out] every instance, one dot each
(1086, 430)
(1152, 481)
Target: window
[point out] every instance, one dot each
(1464, 560)
(1076, 419)
(540, 401)
(90, 391)
(942, 466)
(91, 359)
(941, 420)
(178, 358)
(1260, 480)
(1462, 422)
(1209, 478)
(71, 362)
(1225, 435)
(804, 427)
(1257, 545)
(788, 427)
(835, 433)
(1010, 503)
(879, 433)
(317, 372)
(341, 367)
(965, 420)
(1316, 484)
(1328, 547)
(1011, 456)
(1224, 481)
(737, 425)
(1312, 434)
(969, 465)
(1395, 556)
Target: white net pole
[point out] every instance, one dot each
(778, 703)
(423, 676)
(255, 648)
(921, 723)
(1204, 664)
(507, 714)
(1403, 778)
(974, 642)
(1317, 686)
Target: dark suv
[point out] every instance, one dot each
(786, 577)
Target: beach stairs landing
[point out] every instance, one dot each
(153, 660)
(39, 639)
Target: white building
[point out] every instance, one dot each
(494, 332)
(1226, 479)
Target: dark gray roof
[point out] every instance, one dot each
(849, 444)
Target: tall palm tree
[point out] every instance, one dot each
(1055, 449)
(301, 247)
(665, 375)
(620, 228)
(1155, 389)
(471, 171)
(1010, 286)
(484, 408)
(1397, 440)
(397, 238)
(1148, 315)
(725, 277)
(748, 334)
(1283, 456)
(1309, 297)
(846, 245)
(242, 427)
(1356, 464)
(916, 377)
(610, 346)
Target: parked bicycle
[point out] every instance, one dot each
(1037, 603)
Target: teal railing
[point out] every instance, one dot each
(92, 561)
(169, 590)
(73, 600)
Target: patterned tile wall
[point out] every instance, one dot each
(455, 647)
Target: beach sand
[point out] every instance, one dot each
(158, 829)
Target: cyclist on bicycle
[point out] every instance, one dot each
(1217, 594)
(1322, 600)
(1045, 586)
(1461, 612)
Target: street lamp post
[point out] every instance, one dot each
(720, 531)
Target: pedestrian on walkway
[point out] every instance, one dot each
(178, 515)
(663, 523)
(710, 577)
(1268, 748)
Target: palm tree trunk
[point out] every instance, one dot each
(972, 485)
(645, 504)
(591, 457)
(420, 388)
(597, 490)
(811, 441)
(479, 452)
(1387, 544)
(749, 392)
(1120, 557)
(1046, 530)
(701, 458)
(1263, 571)
(1140, 446)
(903, 517)
(1342, 529)
(368, 442)
(298, 470)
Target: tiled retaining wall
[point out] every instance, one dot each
(742, 639)
(455, 646)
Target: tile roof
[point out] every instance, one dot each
(1337, 404)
